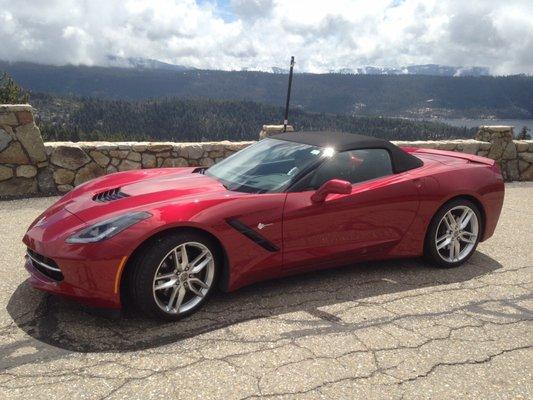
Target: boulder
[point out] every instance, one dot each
(13, 154)
(5, 139)
(175, 162)
(526, 157)
(63, 176)
(5, 172)
(484, 146)
(64, 188)
(216, 153)
(24, 117)
(119, 153)
(207, 162)
(87, 173)
(522, 165)
(158, 147)
(127, 165)
(509, 152)
(194, 151)
(134, 156)
(139, 147)
(70, 157)
(26, 171)
(148, 160)
(527, 175)
(512, 170)
(100, 158)
(270, 130)
(45, 181)
(18, 187)
(489, 133)
(469, 146)
(30, 137)
(8, 118)
(501, 139)
(521, 145)
(497, 149)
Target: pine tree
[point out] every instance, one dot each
(11, 93)
(524, 135)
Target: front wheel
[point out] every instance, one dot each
(175, 275)
(454, 233)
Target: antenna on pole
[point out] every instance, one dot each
(286, 120)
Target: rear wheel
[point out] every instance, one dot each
(175, 275)
(454, 233)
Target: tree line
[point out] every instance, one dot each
(386, 95)
(200, 120)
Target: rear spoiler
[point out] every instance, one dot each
(454, 154)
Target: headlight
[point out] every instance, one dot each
(108, 228)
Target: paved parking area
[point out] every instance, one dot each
(376, 330)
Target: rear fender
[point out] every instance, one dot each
(453, 154)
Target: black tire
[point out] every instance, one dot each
(431, 253)
(144, 267)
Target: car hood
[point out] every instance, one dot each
(139, 190)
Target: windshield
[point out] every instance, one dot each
(266, 166)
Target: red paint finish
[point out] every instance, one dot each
(373, 218)
(382, 218)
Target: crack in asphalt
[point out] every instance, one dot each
(381, 329)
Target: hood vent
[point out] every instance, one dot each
(109, 195)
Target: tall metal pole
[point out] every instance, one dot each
(286, 120)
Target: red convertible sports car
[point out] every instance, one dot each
(163, 239)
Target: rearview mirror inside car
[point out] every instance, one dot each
(333, 186)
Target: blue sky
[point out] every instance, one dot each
(222, 8)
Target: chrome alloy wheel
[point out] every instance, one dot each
(457, 234)
(183, 277)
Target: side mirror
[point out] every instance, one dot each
(333, 186)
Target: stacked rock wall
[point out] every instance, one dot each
(515, 157)
(23, 160)
(74, 163)
(30, 167)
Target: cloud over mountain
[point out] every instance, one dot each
(259, 34)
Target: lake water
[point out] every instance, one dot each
(474, 123)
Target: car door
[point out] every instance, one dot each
(372, 219)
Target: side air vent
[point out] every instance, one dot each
(252, 235)
(109, 195)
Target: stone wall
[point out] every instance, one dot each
(23, 161)
(30, 167)
(515, 157)
(74, 163)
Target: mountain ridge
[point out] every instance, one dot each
(411, 96)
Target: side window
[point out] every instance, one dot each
(354, 166)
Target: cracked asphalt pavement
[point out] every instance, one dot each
(398, 329)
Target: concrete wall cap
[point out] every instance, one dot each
(15, 107)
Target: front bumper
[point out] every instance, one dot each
(92, 281)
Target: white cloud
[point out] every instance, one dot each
(323, 35)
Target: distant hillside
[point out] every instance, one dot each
(387, 95)
(200, 120)
(426, 69)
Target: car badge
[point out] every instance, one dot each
(260, 225)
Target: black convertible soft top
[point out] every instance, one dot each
(342, 141)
